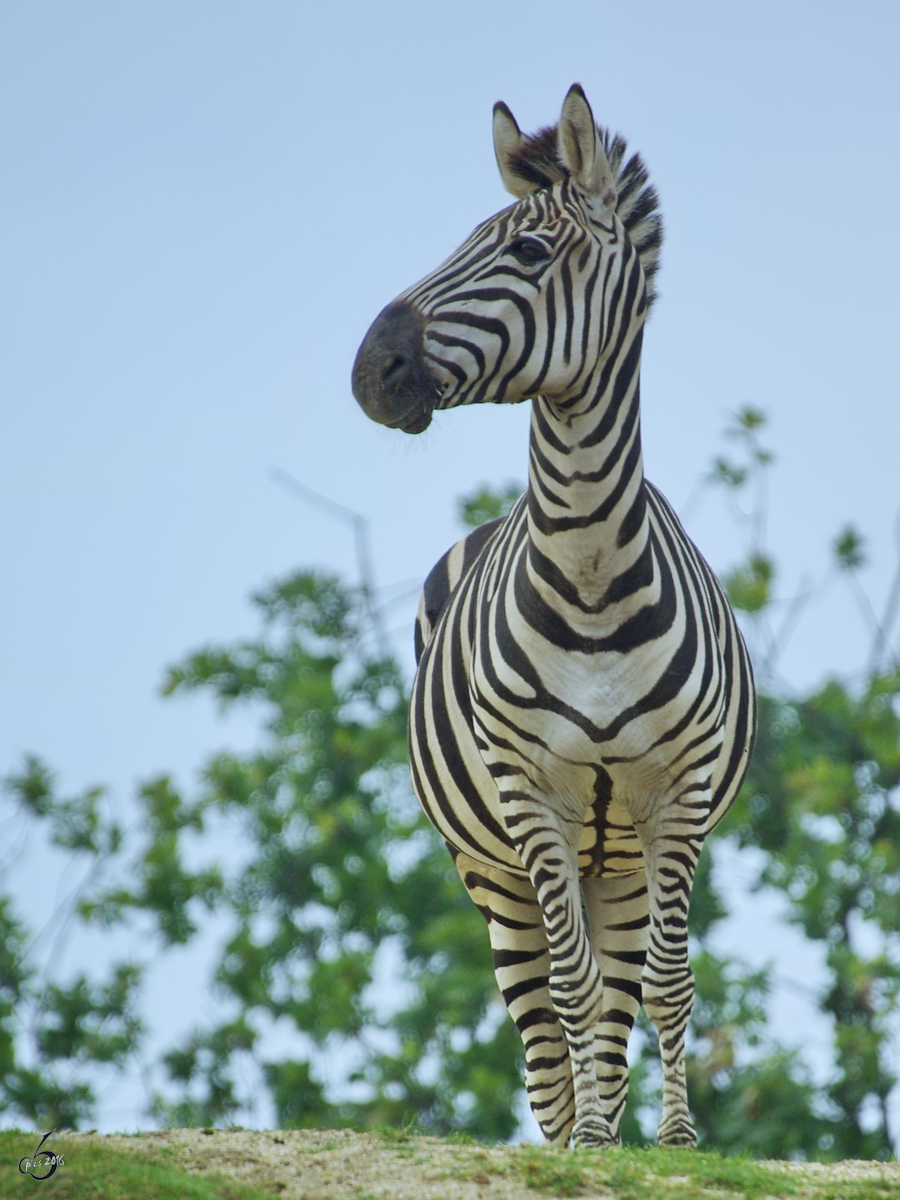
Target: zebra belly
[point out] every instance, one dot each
(609, 844)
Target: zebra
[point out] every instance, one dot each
(583, 710)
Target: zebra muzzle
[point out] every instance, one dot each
(391, 380)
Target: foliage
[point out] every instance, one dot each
(338, 872)
(486, 504)
(819, 801)
(54, 1035)
(749, 585)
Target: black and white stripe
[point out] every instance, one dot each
(583, 710)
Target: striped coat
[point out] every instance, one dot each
(583, 709)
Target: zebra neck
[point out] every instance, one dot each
(587, 509)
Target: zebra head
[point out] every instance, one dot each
(531, 301)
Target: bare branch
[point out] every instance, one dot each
(891, 607)
(360, 526)
(794, 611)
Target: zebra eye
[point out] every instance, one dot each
(528, 250)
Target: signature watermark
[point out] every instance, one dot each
(43, 1163)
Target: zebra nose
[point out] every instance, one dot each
(394, 369)
(391, 380)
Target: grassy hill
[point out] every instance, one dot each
(236, 1164)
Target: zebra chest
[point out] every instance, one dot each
(556, 722)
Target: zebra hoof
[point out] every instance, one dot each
(593, 1132)
(681, 1132)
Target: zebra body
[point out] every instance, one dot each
(583, 709)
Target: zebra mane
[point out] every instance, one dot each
(537, 160)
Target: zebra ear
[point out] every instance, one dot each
(581, 149)
(507, 140)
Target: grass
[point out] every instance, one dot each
(648, 1174)
(657, 1174)
(92, 1172)
(155, 1171)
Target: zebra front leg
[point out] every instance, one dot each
(619, 921)
(668, 982)
(522, 967)
(575, 983)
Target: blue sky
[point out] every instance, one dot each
(202, 207)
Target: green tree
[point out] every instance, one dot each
(54, 1036)
(338, 870)
(486, 504)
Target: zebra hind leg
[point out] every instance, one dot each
(618, 915)
(522, 967)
